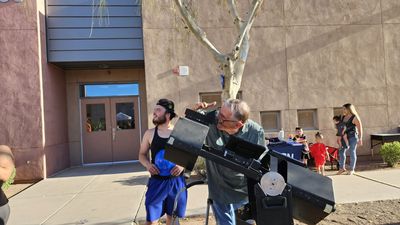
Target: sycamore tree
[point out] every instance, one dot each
(232, 63)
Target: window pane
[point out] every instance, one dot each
(103, 90)
(95, 114)
(215, 97)
(307, 119)
(125, 115)
(271, 121)
(211, 97)
(338, 111)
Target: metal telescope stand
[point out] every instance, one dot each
(308, 197)
(191, 184)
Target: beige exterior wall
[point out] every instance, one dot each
(75, 78)
(305, 54)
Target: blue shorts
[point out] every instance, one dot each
(160, 197)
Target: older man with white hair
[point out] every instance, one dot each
(228, 188)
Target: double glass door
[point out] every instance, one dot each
(111, 130)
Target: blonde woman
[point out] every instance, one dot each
(354, 132)
(6, 170)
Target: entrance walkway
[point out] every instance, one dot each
(101, 195)
(113, 195)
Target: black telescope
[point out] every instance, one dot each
(307, 197)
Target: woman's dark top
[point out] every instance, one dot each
(351, 130)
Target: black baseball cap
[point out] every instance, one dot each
(168, 105)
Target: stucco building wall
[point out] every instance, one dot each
(305, 54)
(34, 118)
(21, 121)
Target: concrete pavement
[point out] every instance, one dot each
(114, 195)
(367, 186)
(87, 195)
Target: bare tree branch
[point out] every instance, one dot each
(234, 72)
(235, 14)
(197, 31)
(232, 64)
(245, 29)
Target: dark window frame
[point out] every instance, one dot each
(314, 126)
(278, 121)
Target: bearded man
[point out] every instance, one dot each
(166, 178)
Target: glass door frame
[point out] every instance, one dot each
(139, 110)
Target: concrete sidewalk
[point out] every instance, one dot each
(114, 195)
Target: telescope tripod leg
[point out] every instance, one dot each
(175, 220)
(209, 203)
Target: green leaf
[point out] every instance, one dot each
(10, 180)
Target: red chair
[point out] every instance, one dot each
(333, 156)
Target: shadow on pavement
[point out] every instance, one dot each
(133, 181)
(100, 170)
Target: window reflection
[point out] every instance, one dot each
(107, 90)
(95, 114)
(125, 116)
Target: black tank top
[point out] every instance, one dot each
(157, 144)
(351, 130)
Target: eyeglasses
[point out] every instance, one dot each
(221, 120)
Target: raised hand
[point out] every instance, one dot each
(203, 105)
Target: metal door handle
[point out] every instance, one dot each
(113, 134)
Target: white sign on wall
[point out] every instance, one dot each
(183, 71)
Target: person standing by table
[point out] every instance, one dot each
(354, 132)
(300, 137)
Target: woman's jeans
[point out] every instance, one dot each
(353, 155)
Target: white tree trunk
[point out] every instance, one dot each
(231, 64)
